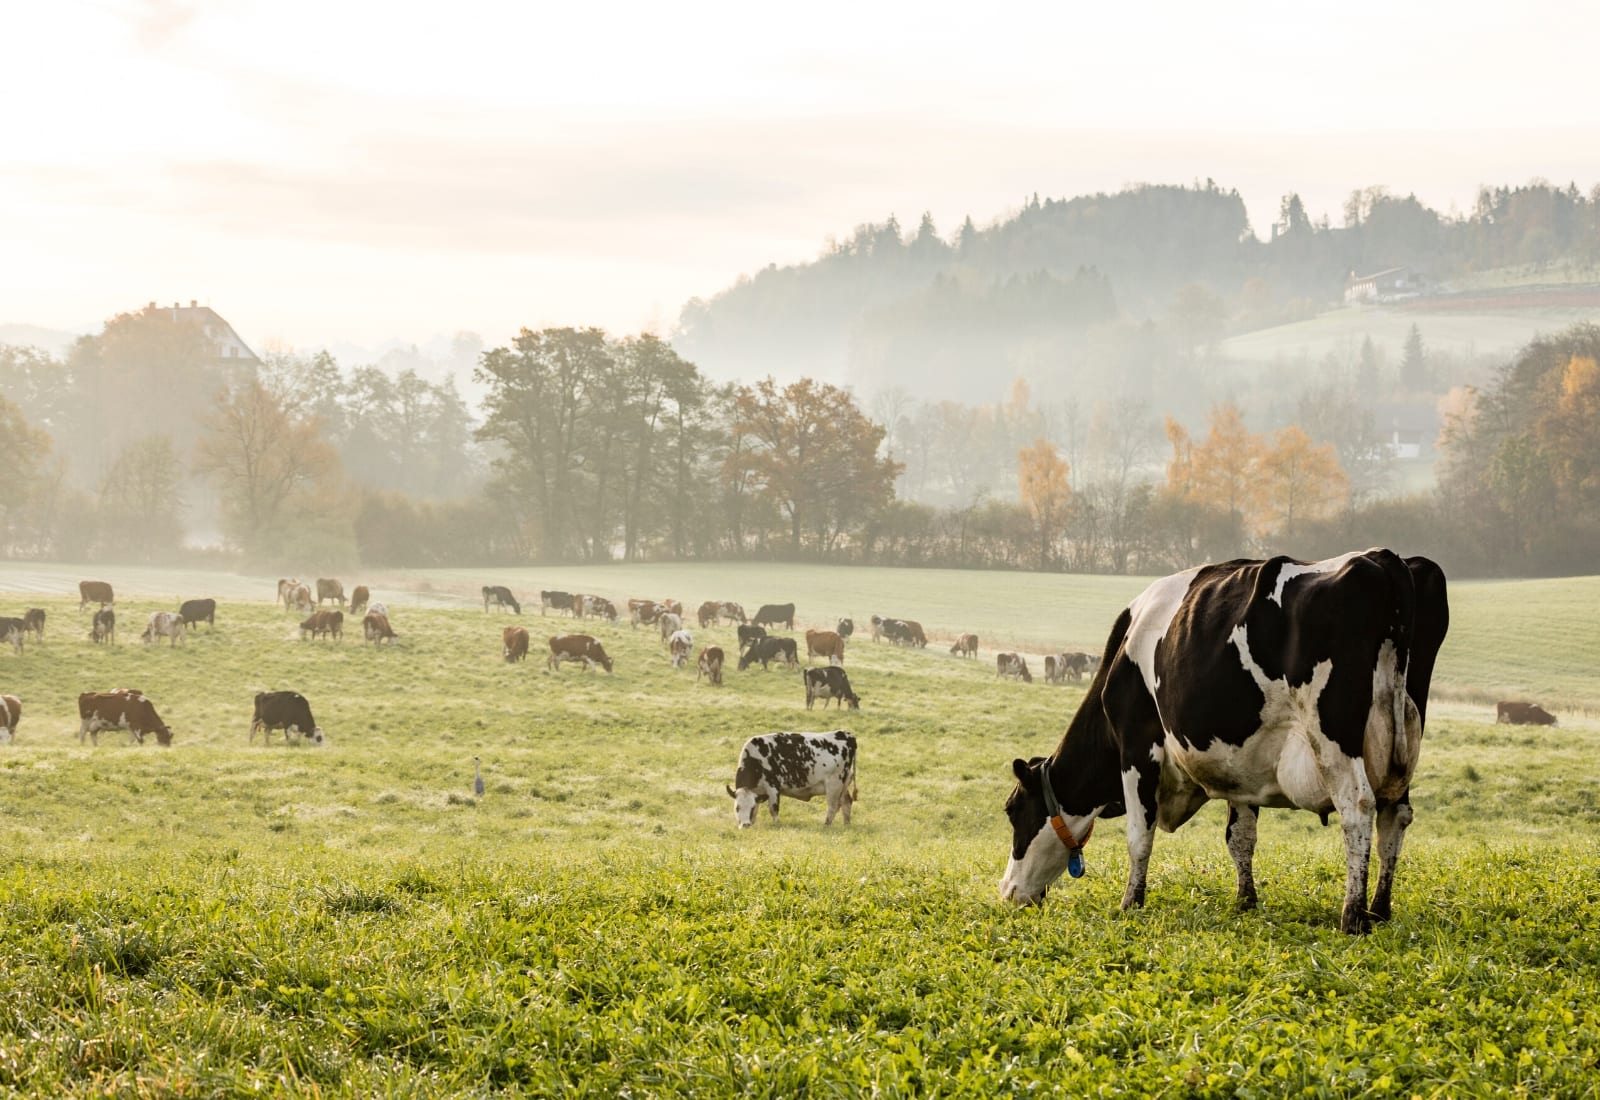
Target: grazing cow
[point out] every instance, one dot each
(33, 619)
(10, 715)
(826, 644)
(643, 612)
(708, 613)
(670, 624)
(911, 634)
(897, 631)
(555, 601)
(287, 711)
(771, 614)
(1013, 666)
(679, 646)
(782, 650)
(124, 709)
(195, 612)
(830, 683)
(598, 607)
(328, 622)
(1523, 714)
(577, 647)
(514, 643)
(359, 600)
(1072, 666)
(94, 592)
(375, 628)
(749, 634)
(163, 624)
(733, 612)
(845, 628)
(105, 626)
(300, 599)
(710, 665)
(1266, 683)
(500, 596)
(329, 588)
(800, 765)
(966, 646)
(13, 631)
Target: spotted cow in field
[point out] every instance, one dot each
(733, 612)
(514, 643)
(782, 650)
(1523, 714)
(195, 612)
(966, 646)
(94, 592)
(670, 624)
(13, 631)
(1013, 666)
(644, 612)
(679, 646)
(124, 709)
(163, 624)
(710, 665)
(10, 715)
(287, 711)
(105, 626)
(1061, 667)
(846, 628)
(498, 595)
(577, 647)
(830, 684)
(1278, 683)
(800, 765)
(375, 628)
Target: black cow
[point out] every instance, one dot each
(287, 711)
(500, 596)
(555, 601)
(105, 626)
(195, 612)
(772, 614)
(33, 619)
(748, 634)
(845, 628)
(14, 630)
(1266, 683)
(830, 684)
(770, 649)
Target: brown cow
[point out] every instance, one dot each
(359, 600)
(644, 611)
(577, 647)
(1523, 714)
(329, 588)
(514, 643)
(826, 644)
(125, 709)
(375, 628)
(966, 646)
(324, 622)
(708, 613)
(10, 715)
(94, 592)
(710, 665)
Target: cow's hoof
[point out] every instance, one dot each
(1244, 902)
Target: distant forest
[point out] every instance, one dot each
(1116, 294)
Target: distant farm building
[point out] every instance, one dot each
(1382, 286)
(229, 348)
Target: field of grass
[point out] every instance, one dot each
(220, 917)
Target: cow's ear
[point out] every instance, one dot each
(1020, 767)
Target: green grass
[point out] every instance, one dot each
(218, 917)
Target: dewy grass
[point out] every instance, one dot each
(222, 917)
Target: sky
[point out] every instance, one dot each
(326, 172)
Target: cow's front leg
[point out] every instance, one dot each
(1241, 837)
(1392, 821)
(1139, 793)
(772, 805)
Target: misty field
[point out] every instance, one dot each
(222, 917)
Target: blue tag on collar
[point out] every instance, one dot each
(1075, 863)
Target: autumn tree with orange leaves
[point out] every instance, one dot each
(1042, 479)
(1301, 481)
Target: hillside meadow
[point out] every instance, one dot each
(224, 917)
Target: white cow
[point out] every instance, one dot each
(679, 646)
(164, 624)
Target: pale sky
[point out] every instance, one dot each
(325, 172)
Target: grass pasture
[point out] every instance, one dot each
(220, 918)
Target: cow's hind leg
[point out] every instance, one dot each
(1139, 792)
(1241, 837)
(1392, 821)
(1353, 798)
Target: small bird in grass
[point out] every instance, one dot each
(477, 778)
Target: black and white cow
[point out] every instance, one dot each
(800, 765)
(782, 650)
(287, 711)
(1272, 683)
(830, 684)
(13, 631)
(498, 595)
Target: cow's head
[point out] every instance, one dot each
(315, 737)
(597, 653)
(745, 802)
(1039, 853)
(163, 735)
(854, 700)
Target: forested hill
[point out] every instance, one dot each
(1102, 288)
